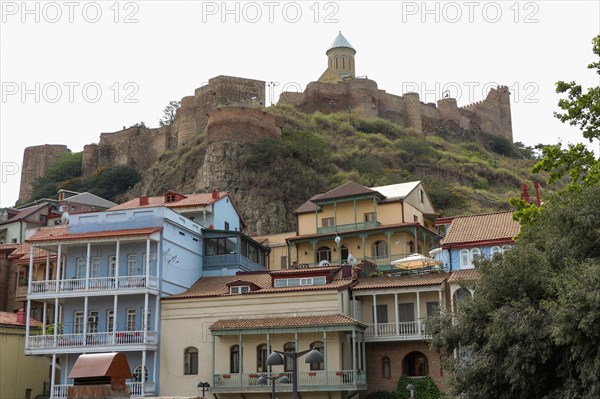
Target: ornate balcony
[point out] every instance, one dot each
(401, 331)
(44, 289)
(136, 390)
(340, 228)
(341, 380)
(118, 341)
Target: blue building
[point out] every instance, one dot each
(113, 268)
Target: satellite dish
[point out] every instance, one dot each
(337, 240)
(351, 259)
(64, 218)
(323, 263)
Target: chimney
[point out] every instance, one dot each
(215, 194)
(21, 317)
(144, 200)
(537, 193)
(525, 194)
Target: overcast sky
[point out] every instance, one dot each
(72, 70)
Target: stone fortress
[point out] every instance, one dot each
(232, 110)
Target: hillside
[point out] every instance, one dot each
(463, 172)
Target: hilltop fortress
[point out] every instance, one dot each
(232, 110)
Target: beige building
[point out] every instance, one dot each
(21, 377)
(373, 226)
(225, 328)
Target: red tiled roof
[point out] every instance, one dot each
(464, 275)
(190, 200)
(483, 227)
(278, 322)
(400, 281)
(21, 254)
(8, 318)
(61, 233)
(309, 206)
(8, 248)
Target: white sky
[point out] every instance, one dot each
(166, 49)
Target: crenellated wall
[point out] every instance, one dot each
(363, 98)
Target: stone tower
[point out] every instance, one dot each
(340, 61)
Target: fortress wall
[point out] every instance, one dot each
(412, 110)
(36, 160)
(324, 97)
(89, 159)
(363, 97)
(391, 107)
(449, 113)
(241, 125)
(492, 114)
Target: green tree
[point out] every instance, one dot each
(531, 330)
(169, 113)
(581, 109)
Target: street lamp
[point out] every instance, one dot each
(276, 359)
(262, 380)
(204, 386)
(411, 390)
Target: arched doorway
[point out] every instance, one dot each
(415, 365)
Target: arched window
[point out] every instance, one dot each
(461, 294)
(234, 359)
(336, 63)
(350, 62)
(415, 365)
(318, 345)
(190, 360)
(496, 250)
(465, 261)
(344, 62)
(137, 373)
(261, 358)
(289, 347)
(475, 254)
(386, 367)
(379, 249)
(323, 253)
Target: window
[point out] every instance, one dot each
(289, 347)
(133, 267)
(406, 312)
(170, 198)
(327, 222)
(80, 268)
(344, 253)
(95, 267)
(152, 260)
(318, 345)
(92, 322)
(415, 219)
(78, 322)
(386, 367)
(190, 362)
(227, 226)
(148, 315)
(323, 254)
(464, 259)
(234, 359)
(432, 308)
(110, 320)
(369, 217)
(379, 249)
(296, 282)
(239, 289)
(415, 365)
(137, 373)
(261, 358)
(382, 314)
(496, 250)
(284, 262)
(475, 254)
(131, 320)
(112, 266)
(221, 246)
(421, 196)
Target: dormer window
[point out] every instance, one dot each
(170, 198)
(239, 289)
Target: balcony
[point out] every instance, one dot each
(42, 289)
(341, 380)
(340, 228)
(68, 343)
(136, 390)
(401, 331)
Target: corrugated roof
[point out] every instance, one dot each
(341, 41)
(348, 189)
(397, 191)
(278, 322)
(400, 281)
(482, 227)
(190, 200)
(90, 199)
(464, 275)
(61, 233)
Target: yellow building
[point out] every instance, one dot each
(377, 226)
(222, 330)
(21, 377)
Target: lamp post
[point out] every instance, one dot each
(204, 386)
(276, 359)
(411, 390)
(263, 379)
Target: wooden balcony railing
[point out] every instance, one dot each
(93, 284)
(118, 338)
(307, 380)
